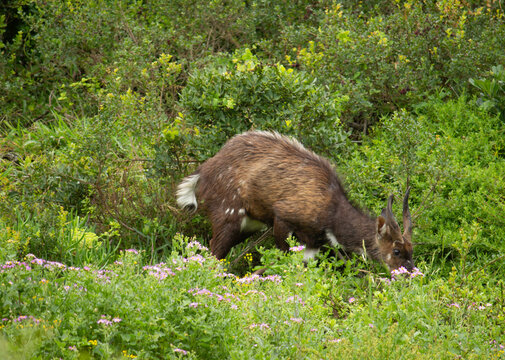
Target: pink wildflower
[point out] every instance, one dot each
(395, 274)
(196, 244)
(260, 326)
(183, 352)
(104, 321)
(297, 248)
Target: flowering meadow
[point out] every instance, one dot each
(189, 306)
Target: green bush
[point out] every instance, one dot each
(93, 170)
(242, 93)
(395, 54)
(47, 46)
(492, 91)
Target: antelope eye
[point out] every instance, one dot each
(396, 252)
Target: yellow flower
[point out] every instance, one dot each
(403, 58)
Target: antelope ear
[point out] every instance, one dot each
(382, 227)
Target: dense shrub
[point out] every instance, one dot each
(96, 170)
(242, 93)
(395, 54)
(47, 45)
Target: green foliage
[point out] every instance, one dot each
(392, 55)
(242, 93)
(91, 170)
(190, 305)
(492, 91)
(62, 43)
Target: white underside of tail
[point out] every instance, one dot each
(186, 192)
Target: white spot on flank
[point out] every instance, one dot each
(227, 211)
(241, 212)
(232, 211)
(331, 238)
(309, 254)
(249, 225)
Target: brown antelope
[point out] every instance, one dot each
(263, 178)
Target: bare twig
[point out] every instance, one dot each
(253, 245)
(423, 203)
(486, 265)
(126, 226)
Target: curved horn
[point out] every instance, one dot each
(391, 222)
(407, 221)
(390, 205)
(387, 212)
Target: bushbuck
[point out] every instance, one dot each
(262, 178)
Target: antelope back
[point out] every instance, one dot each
(266, 175)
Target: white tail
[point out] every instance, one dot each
(186, 197)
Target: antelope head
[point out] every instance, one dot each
(395, 248)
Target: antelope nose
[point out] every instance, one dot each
(409, 265)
